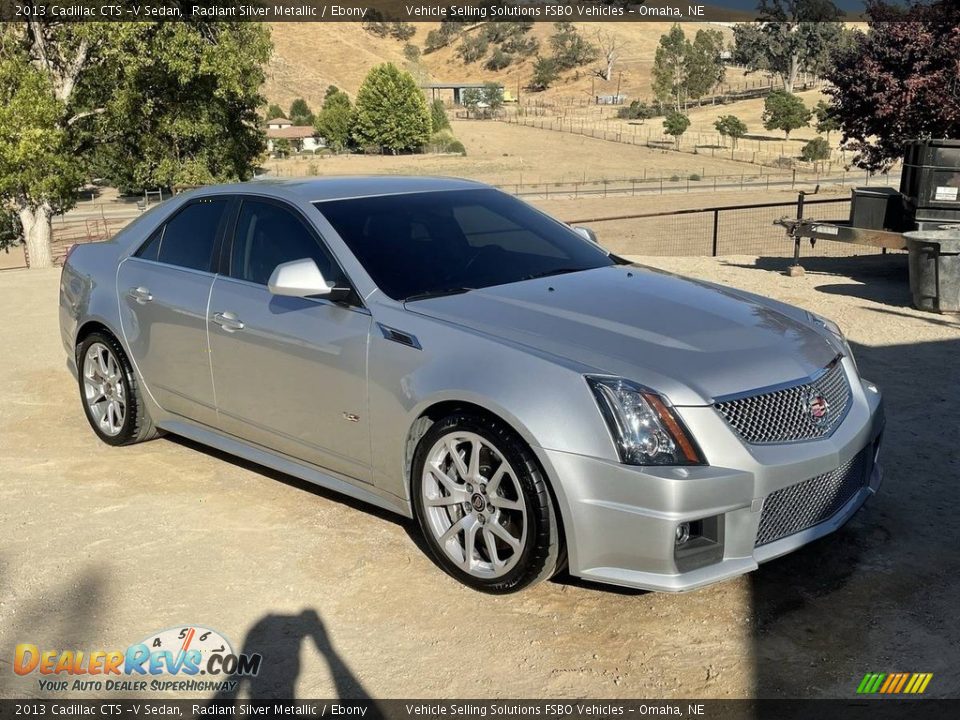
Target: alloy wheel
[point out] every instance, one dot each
(103, 389)
(474, 504)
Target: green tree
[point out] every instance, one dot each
(636, 110)
(785, 111)
(545, 73)
(676, 124)
(448, 31)
(704, 66)
(438, 116)
(402, 31)
(827, 119)
(472, 48)
(816, 151)
(792, 36)
(282, 147)
(570, 49)
(274, 111)
(731, 126)
(149, 103)
(498, 60)
(335, 120)
(391, 112)
(182, 109)
(485, 101)
(670, 68)
(411, 52)
(300, 113)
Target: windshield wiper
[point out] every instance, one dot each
(437, 293)
(554, 271)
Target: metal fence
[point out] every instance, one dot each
(651, 184)
(722, 230)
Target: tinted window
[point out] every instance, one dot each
(430, 242)
(268, 235)
(150, 250)
(187, 239)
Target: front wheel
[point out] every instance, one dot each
(483, 505)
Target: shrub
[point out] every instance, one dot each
(472, 48)
(438, 115)
(498, 60)
(636, 111)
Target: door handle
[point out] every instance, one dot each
(228, 321)
(141, 295)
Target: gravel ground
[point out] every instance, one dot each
(102, 546)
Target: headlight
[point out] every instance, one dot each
(644, 429)
(834, 329)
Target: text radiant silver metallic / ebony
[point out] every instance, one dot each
(442, 350)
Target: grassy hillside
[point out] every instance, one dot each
(310, 56)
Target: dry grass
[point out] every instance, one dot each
(509, 154)
(308, 57)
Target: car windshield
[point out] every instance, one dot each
(428, 244)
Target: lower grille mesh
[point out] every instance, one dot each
(811, 502)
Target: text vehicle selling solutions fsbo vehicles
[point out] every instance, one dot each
(439, 348)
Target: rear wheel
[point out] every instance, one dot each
(110, 393)
(483, 505)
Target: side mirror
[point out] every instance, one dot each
(302, 278)
(586, 233)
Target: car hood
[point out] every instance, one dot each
(691, 341)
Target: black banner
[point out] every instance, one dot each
(407, 11)
(858, 709)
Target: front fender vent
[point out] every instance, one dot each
(399, 336)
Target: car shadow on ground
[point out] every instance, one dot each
(278, 639)
(879, 594)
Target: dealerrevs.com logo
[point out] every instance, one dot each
(189, 658)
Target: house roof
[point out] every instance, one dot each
(294, 132)
(279, 121)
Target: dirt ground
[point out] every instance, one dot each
(102, 546)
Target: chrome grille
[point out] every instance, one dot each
(784, 415)
(811, 502)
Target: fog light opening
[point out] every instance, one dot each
(683, 533)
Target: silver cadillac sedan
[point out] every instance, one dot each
(438, 348)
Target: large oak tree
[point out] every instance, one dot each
(140, 104)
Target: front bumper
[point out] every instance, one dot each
(620, 521)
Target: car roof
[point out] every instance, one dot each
(339, 188)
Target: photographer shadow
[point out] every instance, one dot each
(278, 639)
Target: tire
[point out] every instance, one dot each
(109, 392)
(458, 500)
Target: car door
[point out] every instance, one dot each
(163, 291)
(289, 373)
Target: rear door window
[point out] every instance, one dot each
(188, 238)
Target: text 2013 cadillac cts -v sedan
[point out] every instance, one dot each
(439, 348)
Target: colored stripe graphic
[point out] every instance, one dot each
(894, 683)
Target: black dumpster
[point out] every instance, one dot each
(935, 269)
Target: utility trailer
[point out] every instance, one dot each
(928, 199)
